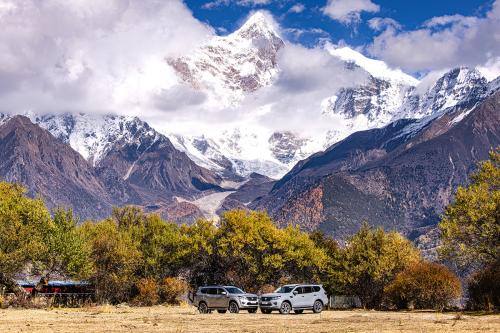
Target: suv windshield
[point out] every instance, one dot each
(234, 290)
(284, 290)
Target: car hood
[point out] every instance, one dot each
(244, 295)
(272, 295)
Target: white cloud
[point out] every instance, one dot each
(91, 56)
(379, 24)
(297, 8)
(296, 33)
(244, 3)
(442, 42)
(348, 11)
(449, 19)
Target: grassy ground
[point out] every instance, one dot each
(187, 319)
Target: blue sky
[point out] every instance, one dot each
(307, 15)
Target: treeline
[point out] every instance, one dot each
(142, 259)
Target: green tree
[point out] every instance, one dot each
(66, 251)
(368, 263)
(115, 258)
(255, 252)
(471, 225)
(24, 223)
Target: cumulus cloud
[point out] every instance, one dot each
(348, 11)
(244, 3)
(296, 33)
(62, 56)
(297, 8)
(442, 42)
(379, 24)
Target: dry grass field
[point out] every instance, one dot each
(187, 319)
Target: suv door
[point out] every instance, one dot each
(299, 299)
(309, 296)
(211, 297)
(220, 300)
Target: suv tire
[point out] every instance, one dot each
(285, 308)
(317, 307)
(252, 310)
(298, 311)
(266, 311)
(233, 307)
(203, 308)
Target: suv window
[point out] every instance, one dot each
(299, 290)
(307, 290)
(220, 291)
(284, 290)
(204, 291)
(212, 291)
(316, 289)
(234, 290)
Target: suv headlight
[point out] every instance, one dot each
(275, 298)
(243, 298)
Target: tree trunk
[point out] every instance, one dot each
(9, 282)
(42, 283)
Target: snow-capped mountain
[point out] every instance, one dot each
(245, 61)
(234, 65)
(385, 96)
(94, 136)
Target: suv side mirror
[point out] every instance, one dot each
(295, 292)
(223, 293)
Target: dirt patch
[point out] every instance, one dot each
(187, 319)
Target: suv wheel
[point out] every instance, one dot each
(265, 311)
(317, 307)
(233, 307)
(203, 308)
(285, 308)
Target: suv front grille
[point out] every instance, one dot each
(252, 298)
(266, 299)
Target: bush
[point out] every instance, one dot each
(171, 290)
(425, 285)
(484, 288)
(152, 292)
(147, 293)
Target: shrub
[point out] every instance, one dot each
(153, 292)
(171, 290)
(147, 293)
(425, 285)
(484, 288)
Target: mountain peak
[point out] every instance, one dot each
(257, 27)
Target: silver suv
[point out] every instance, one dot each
(296, 297)
(223, 298)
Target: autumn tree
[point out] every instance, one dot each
(425, 285)
(368, 263)
(115, 258)
(255, 252)
(24, 223)
(471, 225)
(34, 242)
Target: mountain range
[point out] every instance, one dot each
(400, 152)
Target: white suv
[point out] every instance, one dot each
(297, 297)
(223, 298)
